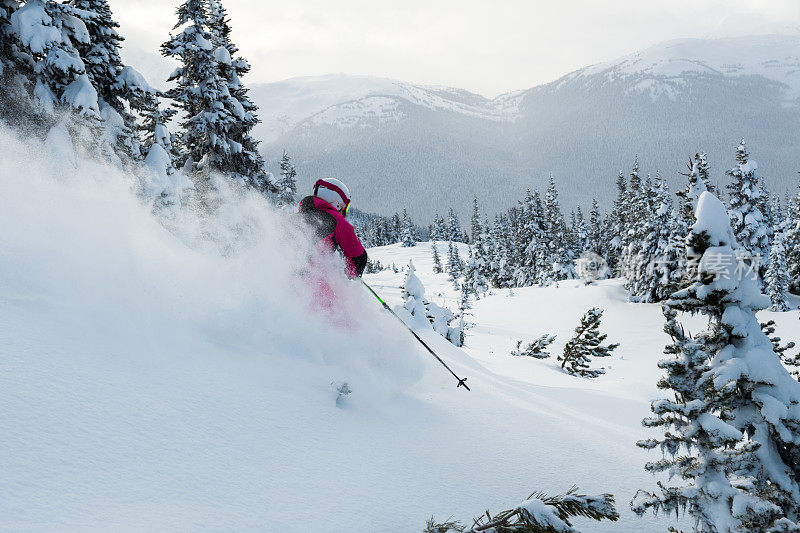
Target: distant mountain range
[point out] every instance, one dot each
(423, 148)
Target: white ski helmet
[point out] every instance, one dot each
(334, 192)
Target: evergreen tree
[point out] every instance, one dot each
(595, 235)
(777, 276)
(637, 221)
(475, 226)
(16, 73)
(501, 270)
(46, 36)
(536, 349)
(457, 334)
(732, 431)
(617, 226)
(657, 274)
(413, 294)
(691, 193)
(780, 349)
(456, 234)
(580, 233)
(243, 160)
(478, 270)
(286, 187)
(396, 233)
(439, 231)
(747, 209)
(157, 147)
(408, 237)
(114, 83)
(200, 92)
(455, 266)
(703, 173)
(586, 344)
(792, 243)
(475, 281)
(562, 258)
(776, 218)
(437, 261)
(532, 242)
(537, 514)
(8, 44)
(100, 53)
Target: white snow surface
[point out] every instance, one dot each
(174, 380)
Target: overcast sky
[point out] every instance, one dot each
(488, 46)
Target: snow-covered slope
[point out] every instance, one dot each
(663, 104)
(157, 379)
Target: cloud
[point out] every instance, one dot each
(486, 47)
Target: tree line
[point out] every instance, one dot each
(641, 238)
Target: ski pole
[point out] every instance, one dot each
(461, 382)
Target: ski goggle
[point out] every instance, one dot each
(324, 184)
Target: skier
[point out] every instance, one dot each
(325, 212)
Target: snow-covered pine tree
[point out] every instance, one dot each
(243, 161)
(691, 193)
(440, 318)
(585, 345)
(777, 276)
(413, 294)
(791, 233)
(580, 233)
(408, 238)
(200, 92)
(657, 274)
(531, 242)
(536, 349)
(636, 223)
(111, 79)
(562, 257)
(680, 417)
(776, 218)
(791, 361)
(732, 433)
(703, 172)
(437, 260)
(538, 514)
(46, 35)
(501, 269)
(522, 236)
(8, 44)
(746, 206)
(457, 334)
(396, 225)
(455, 266)
(475, 225)
(16, 72)
(439, 231)
(171, 184)
(617, 224)
(475, 282)
(287, 186)
(596, 241)
(455, 233)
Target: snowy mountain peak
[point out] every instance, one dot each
(346, 101)
(658, 68)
